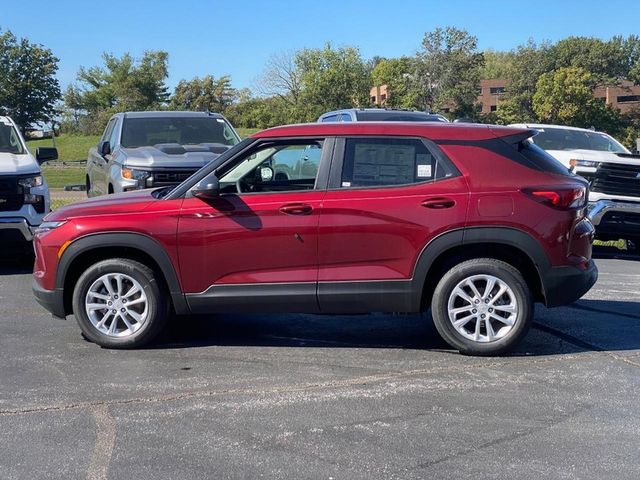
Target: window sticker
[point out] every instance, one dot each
(346, 184)
(387, 164)
(424, 171)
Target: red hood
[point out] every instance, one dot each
(118, 203)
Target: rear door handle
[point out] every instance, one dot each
(438, 203)
(296, 209)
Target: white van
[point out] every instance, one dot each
(24, 194)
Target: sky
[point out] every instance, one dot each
(236, 38)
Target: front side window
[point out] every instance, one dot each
(379, 162)
(9, 140)
(275, 167)
(144, 132)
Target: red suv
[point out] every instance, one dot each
(472, 221)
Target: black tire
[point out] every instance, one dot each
(482, 266)
(158, 308)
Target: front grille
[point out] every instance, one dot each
(617, 179)
(172, 177)
(11, 194)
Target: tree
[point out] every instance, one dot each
(206, 93)
(28, 85)
(448, 70)
(281, 78)
(331, 79)
(496, 64)
(605, 60)
(126, 84)
(73, 109)
(565, 96)
(397, 75)
(528, 63)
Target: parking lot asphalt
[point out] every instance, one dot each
(305, 396)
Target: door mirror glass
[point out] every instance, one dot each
(104, 148)
(45, 154)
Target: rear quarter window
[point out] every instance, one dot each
(540, 159)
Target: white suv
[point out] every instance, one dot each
(24, 195)
(578, 149)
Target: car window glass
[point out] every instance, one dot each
(330, 118)
(144, 132)
(275, 168)
(108, 130)
(9, 140)
(113, 138)
(345, 117)
(372, 162)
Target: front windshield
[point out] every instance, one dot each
(566, 139)
(144, 132)
(9, 140)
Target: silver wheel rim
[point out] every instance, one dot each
(482, 308)
(116, 305)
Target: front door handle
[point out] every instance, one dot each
(296, 209)
(438, 203)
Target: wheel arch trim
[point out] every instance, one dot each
(137, 241)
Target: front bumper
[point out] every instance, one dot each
(51, 300)
(565, 285)
(18, 224)
(614, 218)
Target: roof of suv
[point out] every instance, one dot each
(548, 125)
(165, 114)
(433, 130)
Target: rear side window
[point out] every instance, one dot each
(541, 159)
(381, 162)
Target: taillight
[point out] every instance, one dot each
(560, 197)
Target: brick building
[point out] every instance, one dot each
(625, 96)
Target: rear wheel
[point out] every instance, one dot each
(118, 303)
(482, 307)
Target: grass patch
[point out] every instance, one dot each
(71, 148)
(245, 132)
(58, 177)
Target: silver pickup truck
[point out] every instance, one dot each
(151, 149)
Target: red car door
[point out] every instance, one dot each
(258, 242)
(387, 198)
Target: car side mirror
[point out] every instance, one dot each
(104, 148)
(45, 154)
(207, 189)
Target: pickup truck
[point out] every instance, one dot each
(24, 194)
(614, 200)
(151, 149)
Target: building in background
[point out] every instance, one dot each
(625, 96)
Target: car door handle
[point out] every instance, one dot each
(296, 209)
(438, 203)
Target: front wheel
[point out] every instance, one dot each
(482, 307)
(119, 303)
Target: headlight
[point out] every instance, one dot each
(31, 182)
(583, 163)
(48, 226)
(133, 174)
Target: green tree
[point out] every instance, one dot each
(565, 96)
(28, 85)
(123, 84)
(330, 79)
(206, 93)
(496, 64)
(528, 63)
(448, 70)
(396, 74)
(605, 60)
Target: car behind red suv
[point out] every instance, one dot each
(474, 222)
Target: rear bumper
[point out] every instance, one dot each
(51, 300)
(616, 218)
(565, 285)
